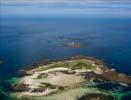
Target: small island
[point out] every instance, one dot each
(74, 45)
(74, 78)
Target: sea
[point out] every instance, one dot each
(28, 40)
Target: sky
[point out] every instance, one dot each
(111, 8)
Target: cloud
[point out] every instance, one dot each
(64, 1)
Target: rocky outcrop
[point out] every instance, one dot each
(117, 77)
(20, 87)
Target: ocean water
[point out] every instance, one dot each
(24, 41)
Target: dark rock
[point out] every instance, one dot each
(116, 77)
(96, 97)
(20, 87)
(38, 90)
(22, 73)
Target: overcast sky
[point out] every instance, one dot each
(65, 7)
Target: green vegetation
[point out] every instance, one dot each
(81, 65)
(48, 85)
(42, 76)
(74, 64)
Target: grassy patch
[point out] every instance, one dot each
(42, 76)
(48, 85)
(73, 64)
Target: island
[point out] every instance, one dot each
(73, 78)
(74, 45)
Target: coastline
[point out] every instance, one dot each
(23, 71)
(50, 61)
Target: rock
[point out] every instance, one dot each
(96, 97)
(117, 77)
(20, 87)
(38, 89)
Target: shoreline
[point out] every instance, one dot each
(23, 71)
(50, 61)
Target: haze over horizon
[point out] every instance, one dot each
(112, 8)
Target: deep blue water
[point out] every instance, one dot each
(24, 41)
